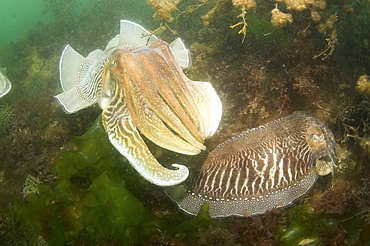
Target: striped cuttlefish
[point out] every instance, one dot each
(264, 168)
(139, 83)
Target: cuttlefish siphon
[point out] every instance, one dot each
(5, 85)
(264, 168)
(139, 84)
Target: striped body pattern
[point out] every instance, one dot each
(266, 167)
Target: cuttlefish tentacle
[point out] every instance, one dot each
(127, 140)
(198, 99)
(153, 126)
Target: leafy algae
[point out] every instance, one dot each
(88, 200)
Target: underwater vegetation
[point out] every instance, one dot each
(36, 84)
(6, 117)
(306, 228)
(94, 199)
(83, 203)
(90, 201)
(363, 84)
(58, 188)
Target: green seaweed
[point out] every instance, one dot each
(260, 26)
(90, 200)
(309, 228)
(7, 115)
(36, 84)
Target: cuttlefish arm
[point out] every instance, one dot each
(153, 106)
(155, 120)
(198, 99)
(126, 139)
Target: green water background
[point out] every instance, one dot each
(19, 16)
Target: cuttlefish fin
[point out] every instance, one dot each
(136, 35)
(69, 67)
(114, 42)
(126, 139)
(181, 53)
(72, 101)
(209, 104)
(5, 85)
(133, 34)
(72, 68)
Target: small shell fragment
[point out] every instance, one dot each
(267, 167)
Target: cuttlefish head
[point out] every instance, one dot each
(322, 144)
(116, 64)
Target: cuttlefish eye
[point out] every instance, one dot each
(315, 134)
(113, 63)
(317, 137)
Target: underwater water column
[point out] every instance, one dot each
(17, 17)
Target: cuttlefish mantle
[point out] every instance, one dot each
(139, 84)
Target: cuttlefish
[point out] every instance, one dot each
(264, 168)
(139, 83)
(5, 85)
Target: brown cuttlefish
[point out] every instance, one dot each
(264, 168)
(139, 83)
